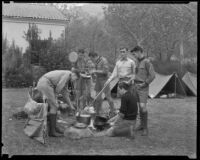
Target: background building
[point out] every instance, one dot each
(16, 18)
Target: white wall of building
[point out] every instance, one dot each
(15, 31)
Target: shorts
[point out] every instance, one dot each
(142, 94)
(45, 86)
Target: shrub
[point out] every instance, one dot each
(54, 58)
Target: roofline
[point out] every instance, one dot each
(37, 4)
(35, 20)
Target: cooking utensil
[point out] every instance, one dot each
(83, 118)
(100, 122)
(80, 125)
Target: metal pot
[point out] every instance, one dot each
(83, 118)
(100, 122)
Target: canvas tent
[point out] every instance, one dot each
(166, 84)
(190, 80)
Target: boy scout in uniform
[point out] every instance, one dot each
(102, 71)
(144, 76)
(84, 65)
(52, 84)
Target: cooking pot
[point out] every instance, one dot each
(83, 118)
(100, 122)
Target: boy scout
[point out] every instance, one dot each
(84, 65)
(102, 70)
(51, 84)
(124, 68)
(144, 76)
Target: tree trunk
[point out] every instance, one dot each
(181, 51)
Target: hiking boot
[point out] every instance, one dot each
(145, 120)
(52, 126)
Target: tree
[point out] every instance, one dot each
(157, 27)
(33, 38)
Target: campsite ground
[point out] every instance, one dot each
(172, 131)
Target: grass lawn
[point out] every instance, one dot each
(172, 131)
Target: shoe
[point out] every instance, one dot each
(52, 126)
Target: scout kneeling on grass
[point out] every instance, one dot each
(123, 124)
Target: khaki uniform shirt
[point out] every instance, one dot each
(58, 79)
(144, 71)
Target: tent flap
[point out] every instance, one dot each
(190, 81)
